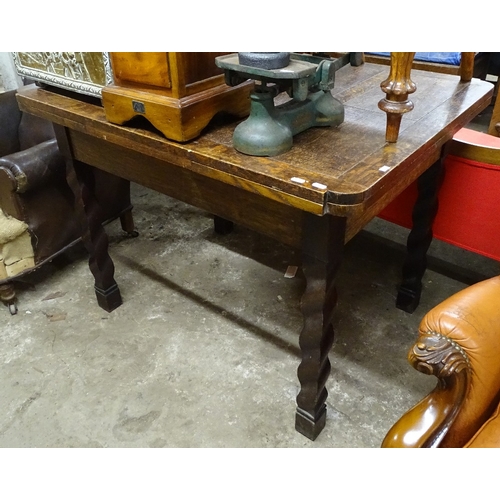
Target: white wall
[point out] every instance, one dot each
(9, 79)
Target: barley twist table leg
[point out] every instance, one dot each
(81, 181)
(420, 238)
(322, 251)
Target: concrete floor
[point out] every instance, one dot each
(204, 350)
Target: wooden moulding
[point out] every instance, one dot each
(178, 119)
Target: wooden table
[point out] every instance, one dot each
(315, 197)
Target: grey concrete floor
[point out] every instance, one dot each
(204, 350)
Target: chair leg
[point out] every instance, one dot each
(127, 222)
(8, 295)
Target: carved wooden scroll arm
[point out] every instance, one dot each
(425, 425)
(397, 87)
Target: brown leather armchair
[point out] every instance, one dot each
(459, 343)
(37, 217)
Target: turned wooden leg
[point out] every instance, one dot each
(8, 295)
(397, 87)
(356, 58)
(467, 66)
(420, 238)
(322, 248)
(81, 181)
(222, 226)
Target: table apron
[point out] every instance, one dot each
(250, 209)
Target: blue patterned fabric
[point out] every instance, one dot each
(435, 57)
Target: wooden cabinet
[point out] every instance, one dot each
(177, 92)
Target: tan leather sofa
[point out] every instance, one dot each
(459, 343)
(37, 217)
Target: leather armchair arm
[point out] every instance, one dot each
(34, 167)
(459, 343)
(425, 425)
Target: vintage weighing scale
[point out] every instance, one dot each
(307, 80)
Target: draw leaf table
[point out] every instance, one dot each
(315, 197)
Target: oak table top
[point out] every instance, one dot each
(344, 162)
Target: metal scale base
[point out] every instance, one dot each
(308, 80)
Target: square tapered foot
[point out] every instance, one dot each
(222, 226)
(408, 299)
(307, 425)
(108, 299)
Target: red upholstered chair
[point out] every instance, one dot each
(459, 343)
(467, 204)
(37, 218)
(467, 215)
